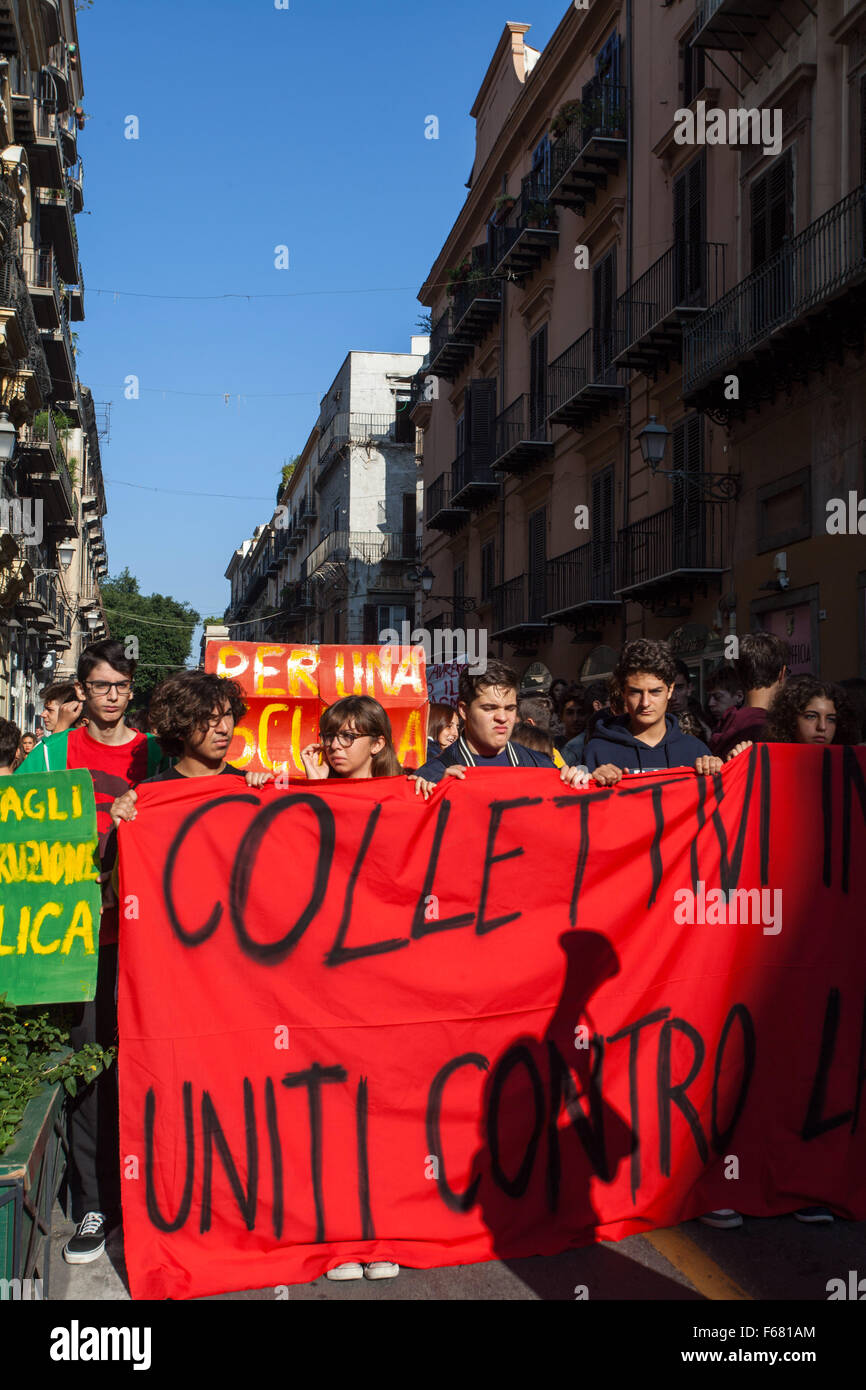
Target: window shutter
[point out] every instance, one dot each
(772, 210)
(538, 383)
(603, 311)
(537, 562)
(371, 634)
(480, 412)
(602, 533)
(487, 563)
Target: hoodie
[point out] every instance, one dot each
(613, 742)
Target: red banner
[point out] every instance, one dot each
(287, 688)
(512, 1021)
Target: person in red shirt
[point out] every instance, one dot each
(762, 666)
(116, 757)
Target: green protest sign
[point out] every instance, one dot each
(50, 898)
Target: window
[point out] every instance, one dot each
(602, 534)
(603, 314)
(538, 405)
(537, 563)
(690, 222)
(541, 164)
(488, 557)
(772, 210)
(479, 413)
(609, 61)
(404, 429)
(693, 68)
(689, 513)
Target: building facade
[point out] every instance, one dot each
(664, 229)
(52, 498)
(335, 562)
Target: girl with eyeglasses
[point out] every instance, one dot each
(355, 742)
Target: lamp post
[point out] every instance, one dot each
(426, 579)
(8, 437)
(706, 487)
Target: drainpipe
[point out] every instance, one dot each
(629, 257)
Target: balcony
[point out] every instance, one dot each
(13, 292)
(520, 436)
(370, 430)
(590, 150)
(9, 37)
(580, 586)
(789, 317)
(421, 397)
(472, 479)
(44, 151)
(75, 183)
(362, 547)
(527, 234)
(75, 299)
(40, 273)
(518, 611)
(60, 356)
(57, 227)
(44, 463)
(677, 288)
(678, 551)
(50, 22)
(582, 382)
(441, 513)
(475, 307)
(68, 131)
(733, 25)
(309, 511)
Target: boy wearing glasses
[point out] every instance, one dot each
(116, 757)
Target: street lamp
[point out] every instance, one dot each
(704, 487)
(8, 437)
(653, 440)
(66, 554)
(426, 578)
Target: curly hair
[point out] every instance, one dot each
(182, 704)
(368, 717)
(792, 700)
(652, 658)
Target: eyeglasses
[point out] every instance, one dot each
(103, 687)
(343, 738)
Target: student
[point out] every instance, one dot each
(443, 728)
(10, 739)
(596, 696)
(193, 715)
(529, 735)
(355, 743)
(61, 707)
(116, 757)
(538, 711)
(487, 704)
(646, 736)
(762, 666)
(811, 711)
(28, 743)
(724, 692)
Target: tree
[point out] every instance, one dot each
(155, 628)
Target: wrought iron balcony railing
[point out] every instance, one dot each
(528, 232)
(519, 604)
(364, 547)
(684, 544)
(819, 264)
(521, 434)
(590, 148)
(583, 381)
(582, 578)
(685, 280)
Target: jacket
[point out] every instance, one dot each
(613, 742)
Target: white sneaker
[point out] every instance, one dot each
(381, 1269)
(350, 1270)
(723, 1218)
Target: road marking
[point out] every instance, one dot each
(702, 1272)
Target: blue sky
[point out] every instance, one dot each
(258, 127)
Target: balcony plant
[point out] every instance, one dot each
(540, 214)
(502, 207)
(568, 113)
(457, 276)
(601, 116)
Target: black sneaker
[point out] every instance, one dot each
(88, 1243)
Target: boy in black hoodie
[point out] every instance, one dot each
(646, 737)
